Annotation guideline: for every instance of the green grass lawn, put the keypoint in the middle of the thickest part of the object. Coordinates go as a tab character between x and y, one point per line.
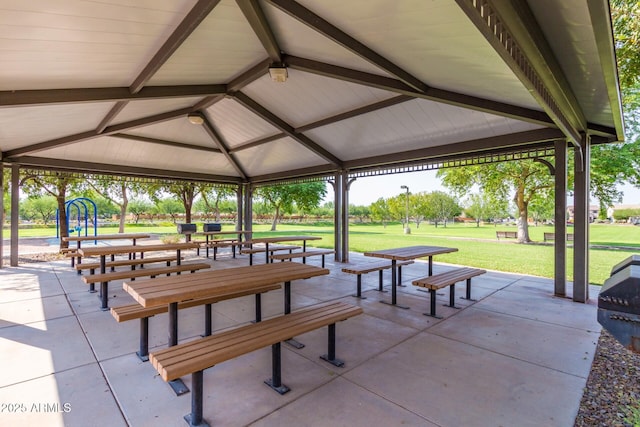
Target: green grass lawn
477	246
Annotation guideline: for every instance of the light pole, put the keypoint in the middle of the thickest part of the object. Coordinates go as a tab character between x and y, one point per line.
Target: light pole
407	230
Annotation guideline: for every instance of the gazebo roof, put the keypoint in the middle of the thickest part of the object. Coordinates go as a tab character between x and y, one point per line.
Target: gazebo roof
107	87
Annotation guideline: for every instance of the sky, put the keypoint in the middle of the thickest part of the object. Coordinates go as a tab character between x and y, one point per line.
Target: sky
365	191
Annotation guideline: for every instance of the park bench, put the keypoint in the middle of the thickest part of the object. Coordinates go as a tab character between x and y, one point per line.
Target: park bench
506	235
261	249
370	267
93	266
70	253
449	278
134	311
195	356
105	278
552	237
304	255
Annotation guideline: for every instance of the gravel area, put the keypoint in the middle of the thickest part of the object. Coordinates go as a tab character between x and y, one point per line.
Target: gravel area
612	388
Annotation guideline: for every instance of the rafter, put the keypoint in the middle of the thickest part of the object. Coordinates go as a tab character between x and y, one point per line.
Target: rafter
166	143
195	16
433	94
13	98
222	145
283	126
133	171
324	27
255	16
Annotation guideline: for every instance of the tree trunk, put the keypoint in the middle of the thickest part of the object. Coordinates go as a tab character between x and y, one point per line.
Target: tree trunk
62	221
275	219
523	210
123	208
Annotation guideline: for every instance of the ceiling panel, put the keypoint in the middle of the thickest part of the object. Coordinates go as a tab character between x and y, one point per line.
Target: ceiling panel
238	125
23	126
123	152
150	107
51	44
218	50
410	126
433	40
306	98
278	156
177	130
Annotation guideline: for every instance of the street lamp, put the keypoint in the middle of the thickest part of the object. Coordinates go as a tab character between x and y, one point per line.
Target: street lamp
407	230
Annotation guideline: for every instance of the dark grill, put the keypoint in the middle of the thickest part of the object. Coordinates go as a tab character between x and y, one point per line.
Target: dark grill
211	227
619	303
186	228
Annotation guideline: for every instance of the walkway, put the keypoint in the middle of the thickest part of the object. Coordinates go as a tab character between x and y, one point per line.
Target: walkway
517	357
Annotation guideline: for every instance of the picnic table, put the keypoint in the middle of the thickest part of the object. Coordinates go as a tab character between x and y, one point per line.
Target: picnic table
104	251
209	234
173	290
118	236
281	239
406	254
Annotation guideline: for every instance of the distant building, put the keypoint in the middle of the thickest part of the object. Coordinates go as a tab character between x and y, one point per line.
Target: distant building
593	213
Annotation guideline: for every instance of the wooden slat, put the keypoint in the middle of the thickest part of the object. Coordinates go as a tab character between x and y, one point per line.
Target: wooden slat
172	289
201	354
302	254
410	252
116	275
136	311
126	249
119	236
447	278
125	262
272	248
372	266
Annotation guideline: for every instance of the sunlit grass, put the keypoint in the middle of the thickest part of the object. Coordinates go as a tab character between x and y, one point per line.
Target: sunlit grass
477	246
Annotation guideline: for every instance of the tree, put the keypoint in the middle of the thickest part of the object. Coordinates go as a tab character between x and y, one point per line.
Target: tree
116	192
139	207
541	209
212	196
57	184
171	207
183	191
43	208
483	206
282	198
524	179
361	212
380	211
398	208
443	207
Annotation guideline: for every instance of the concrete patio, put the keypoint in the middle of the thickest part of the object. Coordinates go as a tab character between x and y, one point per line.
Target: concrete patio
516	357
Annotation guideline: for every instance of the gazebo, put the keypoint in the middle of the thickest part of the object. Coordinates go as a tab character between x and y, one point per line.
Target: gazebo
257	92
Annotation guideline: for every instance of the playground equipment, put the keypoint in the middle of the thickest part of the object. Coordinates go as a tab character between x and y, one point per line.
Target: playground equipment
82	211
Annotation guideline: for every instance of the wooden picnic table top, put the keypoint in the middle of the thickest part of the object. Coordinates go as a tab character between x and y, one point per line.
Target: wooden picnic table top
410	252
277	239
127	249
117	236
166	290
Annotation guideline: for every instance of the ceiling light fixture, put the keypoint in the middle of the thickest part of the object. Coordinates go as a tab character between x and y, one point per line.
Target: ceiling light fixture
278	72
195	118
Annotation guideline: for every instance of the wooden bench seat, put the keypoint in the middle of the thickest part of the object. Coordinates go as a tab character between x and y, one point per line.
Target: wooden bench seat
261	249
552	237
304	255
370	267
93	266
195	356
449	278
134	311
506	235
105	278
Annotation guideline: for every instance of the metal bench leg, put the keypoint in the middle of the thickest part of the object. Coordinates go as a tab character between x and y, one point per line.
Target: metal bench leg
452	296
275	382
250	259
359	288
207	320
195	417
322	261
400	276
258	308
104	296
468	293
287	309
331	351
432	313
143	353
